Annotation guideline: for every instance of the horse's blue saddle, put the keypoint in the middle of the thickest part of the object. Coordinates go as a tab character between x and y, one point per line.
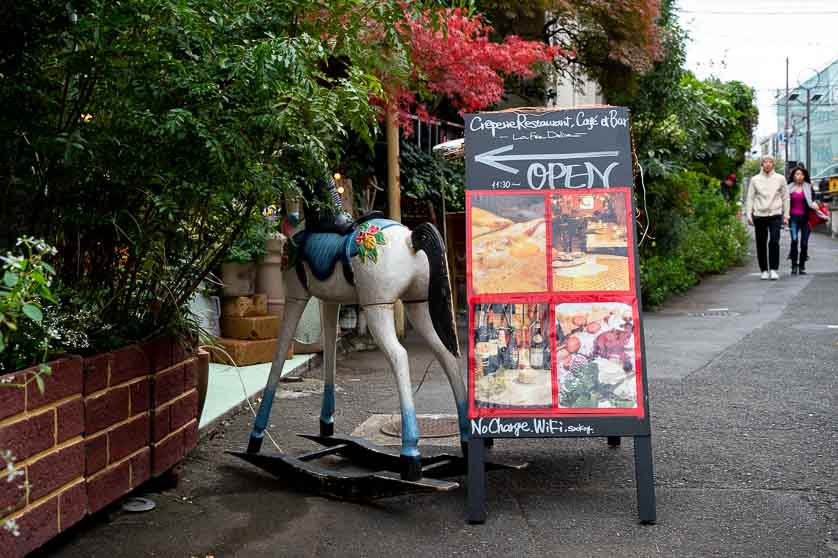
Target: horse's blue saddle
322	251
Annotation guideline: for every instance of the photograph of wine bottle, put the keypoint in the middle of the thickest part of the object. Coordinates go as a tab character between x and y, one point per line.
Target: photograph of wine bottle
512	359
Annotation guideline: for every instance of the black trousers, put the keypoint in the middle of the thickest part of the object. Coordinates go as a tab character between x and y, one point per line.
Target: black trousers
768	229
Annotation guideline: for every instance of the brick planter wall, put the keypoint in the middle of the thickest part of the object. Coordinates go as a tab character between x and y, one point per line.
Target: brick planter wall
103	426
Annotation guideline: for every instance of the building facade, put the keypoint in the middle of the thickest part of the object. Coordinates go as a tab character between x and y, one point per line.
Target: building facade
812	132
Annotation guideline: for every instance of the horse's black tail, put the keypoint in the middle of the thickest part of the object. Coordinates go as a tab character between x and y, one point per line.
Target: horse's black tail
426	237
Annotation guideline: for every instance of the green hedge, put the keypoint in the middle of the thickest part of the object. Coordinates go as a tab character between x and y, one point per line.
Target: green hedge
695	233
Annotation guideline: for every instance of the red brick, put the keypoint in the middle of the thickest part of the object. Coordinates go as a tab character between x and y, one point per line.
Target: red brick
184	409
108	485
72	505
104	409
64	380
140	468
159	353
128	363
12	398
161	422
37	526
56	469
96	453
190	437
129	437
12	496
96	372
25	438
167	385
140	396
182	349
190	373
70	419
166	454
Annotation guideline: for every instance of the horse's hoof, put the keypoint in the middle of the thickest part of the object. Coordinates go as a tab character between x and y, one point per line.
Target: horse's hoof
327	428
411	467
254	445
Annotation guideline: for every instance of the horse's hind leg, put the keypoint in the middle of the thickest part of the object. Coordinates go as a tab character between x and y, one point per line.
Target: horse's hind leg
382	327
419	315
293	311
329	320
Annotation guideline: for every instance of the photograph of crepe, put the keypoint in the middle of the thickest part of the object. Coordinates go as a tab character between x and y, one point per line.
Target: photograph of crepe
511	365
590	244
508	244
596	356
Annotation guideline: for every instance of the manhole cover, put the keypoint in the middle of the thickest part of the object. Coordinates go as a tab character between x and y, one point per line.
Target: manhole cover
429	427
138	504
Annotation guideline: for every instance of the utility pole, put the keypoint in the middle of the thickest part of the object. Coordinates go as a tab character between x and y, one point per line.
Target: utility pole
786	127
808	131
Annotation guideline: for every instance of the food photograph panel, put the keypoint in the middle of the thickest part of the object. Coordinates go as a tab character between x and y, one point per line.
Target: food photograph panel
508	243
596	355
511	365
590	244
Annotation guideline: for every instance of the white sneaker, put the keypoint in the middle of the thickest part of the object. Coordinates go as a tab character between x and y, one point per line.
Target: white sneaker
764	276
774	275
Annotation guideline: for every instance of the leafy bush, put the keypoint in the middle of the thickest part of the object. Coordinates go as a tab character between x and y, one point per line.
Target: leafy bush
24	289
424	176
140	138
697	235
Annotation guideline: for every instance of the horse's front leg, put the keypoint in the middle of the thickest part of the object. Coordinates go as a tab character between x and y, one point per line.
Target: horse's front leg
293	312
383	329
329	320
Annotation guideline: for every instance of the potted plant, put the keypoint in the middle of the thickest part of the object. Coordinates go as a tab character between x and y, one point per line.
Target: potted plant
238	271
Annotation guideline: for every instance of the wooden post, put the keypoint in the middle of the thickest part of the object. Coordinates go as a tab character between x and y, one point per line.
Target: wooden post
394	193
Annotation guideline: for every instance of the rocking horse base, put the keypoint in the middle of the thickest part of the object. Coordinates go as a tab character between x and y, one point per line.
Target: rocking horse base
365	472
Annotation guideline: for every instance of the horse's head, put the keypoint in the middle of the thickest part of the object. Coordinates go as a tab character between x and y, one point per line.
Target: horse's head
291	224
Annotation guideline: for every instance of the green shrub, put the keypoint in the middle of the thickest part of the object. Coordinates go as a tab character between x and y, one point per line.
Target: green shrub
696	234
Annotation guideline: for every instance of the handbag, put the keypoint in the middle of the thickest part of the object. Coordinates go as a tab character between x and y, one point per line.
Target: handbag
818	216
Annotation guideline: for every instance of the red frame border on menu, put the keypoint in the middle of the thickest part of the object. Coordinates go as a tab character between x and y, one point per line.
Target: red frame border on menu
553	298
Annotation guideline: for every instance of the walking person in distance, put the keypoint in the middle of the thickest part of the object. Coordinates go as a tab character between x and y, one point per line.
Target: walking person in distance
767	208
801	203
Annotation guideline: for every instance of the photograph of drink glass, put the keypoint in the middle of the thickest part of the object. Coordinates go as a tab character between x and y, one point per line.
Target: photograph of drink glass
590	244
512	356
595	355
508	235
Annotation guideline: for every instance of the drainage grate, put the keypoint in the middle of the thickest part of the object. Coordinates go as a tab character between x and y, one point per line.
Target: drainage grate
429	427
713	314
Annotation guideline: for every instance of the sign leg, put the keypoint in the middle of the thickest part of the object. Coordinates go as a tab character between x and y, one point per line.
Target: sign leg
645	477
476	481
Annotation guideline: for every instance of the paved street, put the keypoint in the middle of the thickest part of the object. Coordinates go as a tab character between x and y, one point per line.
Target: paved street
743	391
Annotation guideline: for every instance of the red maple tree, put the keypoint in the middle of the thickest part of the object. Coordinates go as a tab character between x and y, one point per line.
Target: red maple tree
460	61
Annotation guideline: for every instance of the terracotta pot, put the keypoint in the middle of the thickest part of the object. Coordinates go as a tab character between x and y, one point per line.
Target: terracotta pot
239	279
269	275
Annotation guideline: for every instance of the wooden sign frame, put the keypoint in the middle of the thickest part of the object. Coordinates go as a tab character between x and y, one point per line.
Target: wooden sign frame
535	182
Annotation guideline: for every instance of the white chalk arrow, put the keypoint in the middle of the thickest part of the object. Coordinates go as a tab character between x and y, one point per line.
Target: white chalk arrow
492	157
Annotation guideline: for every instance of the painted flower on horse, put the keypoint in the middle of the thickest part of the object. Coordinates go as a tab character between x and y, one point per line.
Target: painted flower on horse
368	238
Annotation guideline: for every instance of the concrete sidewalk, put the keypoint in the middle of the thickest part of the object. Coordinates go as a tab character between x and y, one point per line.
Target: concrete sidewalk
743	384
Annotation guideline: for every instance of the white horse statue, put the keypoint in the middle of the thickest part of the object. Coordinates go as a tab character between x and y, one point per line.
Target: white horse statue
377	263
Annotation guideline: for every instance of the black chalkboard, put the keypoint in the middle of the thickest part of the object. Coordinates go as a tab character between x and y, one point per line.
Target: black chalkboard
548	150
